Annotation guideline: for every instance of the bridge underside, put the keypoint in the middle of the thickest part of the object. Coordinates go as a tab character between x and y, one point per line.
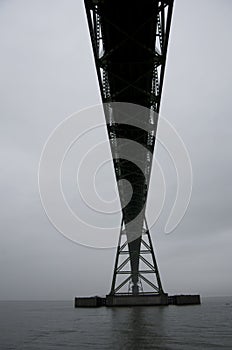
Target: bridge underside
129	40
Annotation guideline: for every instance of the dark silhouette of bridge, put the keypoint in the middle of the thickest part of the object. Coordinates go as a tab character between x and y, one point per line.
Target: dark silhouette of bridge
130	41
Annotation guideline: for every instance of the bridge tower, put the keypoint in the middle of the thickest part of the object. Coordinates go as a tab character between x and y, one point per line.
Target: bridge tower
130	40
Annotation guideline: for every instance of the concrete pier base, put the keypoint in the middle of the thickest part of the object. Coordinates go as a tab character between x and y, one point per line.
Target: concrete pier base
184	299
89	301
137	300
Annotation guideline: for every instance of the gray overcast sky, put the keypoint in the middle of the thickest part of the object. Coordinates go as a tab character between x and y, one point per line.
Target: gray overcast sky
47	73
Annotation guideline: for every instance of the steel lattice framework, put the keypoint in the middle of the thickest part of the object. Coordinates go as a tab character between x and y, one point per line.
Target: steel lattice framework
130	40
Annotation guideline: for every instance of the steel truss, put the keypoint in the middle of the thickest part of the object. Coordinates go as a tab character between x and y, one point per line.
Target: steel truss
129	40
148	275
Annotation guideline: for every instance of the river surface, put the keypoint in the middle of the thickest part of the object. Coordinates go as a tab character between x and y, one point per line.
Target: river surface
57	325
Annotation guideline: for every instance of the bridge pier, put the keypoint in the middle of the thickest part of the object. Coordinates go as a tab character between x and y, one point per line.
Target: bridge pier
137	300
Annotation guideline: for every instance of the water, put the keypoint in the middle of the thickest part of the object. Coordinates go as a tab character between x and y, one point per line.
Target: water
57	325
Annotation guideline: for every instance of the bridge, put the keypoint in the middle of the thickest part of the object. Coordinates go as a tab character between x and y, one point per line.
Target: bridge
130	41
